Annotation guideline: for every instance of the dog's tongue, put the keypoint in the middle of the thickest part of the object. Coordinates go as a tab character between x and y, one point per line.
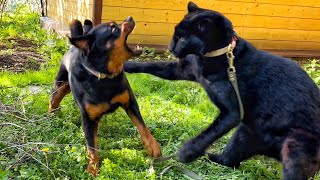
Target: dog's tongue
127	27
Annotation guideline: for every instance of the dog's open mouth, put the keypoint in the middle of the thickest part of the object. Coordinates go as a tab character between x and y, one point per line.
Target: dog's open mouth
126	28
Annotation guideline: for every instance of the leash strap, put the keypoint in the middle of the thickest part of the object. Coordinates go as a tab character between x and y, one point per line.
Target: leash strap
233	79
231	69
164	158
185	171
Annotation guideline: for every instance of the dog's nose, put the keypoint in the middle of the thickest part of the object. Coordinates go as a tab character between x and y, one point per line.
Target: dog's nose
129	19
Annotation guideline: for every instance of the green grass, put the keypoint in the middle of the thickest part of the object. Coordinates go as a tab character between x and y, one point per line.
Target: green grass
37	145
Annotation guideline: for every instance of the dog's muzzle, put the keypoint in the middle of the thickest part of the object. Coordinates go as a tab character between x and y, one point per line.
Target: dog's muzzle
128	25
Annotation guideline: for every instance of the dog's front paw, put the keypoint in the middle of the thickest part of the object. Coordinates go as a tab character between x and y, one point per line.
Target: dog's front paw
52	109
214	158
190	151
93	169
153	148
223	161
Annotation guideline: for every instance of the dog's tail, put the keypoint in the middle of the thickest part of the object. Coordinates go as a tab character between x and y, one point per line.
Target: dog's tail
76	28
87	26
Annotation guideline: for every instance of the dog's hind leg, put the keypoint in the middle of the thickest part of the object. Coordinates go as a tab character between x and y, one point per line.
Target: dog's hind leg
300	158
152	146
60	88
90	127
243	145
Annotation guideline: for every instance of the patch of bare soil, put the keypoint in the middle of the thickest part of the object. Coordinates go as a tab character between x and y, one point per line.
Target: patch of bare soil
18	55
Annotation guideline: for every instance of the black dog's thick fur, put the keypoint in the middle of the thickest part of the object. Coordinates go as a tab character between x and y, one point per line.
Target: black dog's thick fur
103	49
281	102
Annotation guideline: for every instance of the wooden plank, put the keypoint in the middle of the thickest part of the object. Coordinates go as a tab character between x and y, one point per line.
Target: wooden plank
285	45
303	3
281	34
282	11
147	39
232	6
151	28
150	15
69	16
78	7
66	17
73	14
83	3
143	15
60	8
163	4
295	53
281	23
285	53
80	1
164	29
260	44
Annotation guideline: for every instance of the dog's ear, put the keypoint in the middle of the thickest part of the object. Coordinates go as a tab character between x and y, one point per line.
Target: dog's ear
78	39
82	42
87	26
192	7
76	28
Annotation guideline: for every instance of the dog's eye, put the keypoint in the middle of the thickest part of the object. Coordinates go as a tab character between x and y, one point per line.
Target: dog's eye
201	27
113	28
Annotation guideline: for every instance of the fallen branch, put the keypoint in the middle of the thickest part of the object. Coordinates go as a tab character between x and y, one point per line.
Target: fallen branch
38	161
12	124
16	162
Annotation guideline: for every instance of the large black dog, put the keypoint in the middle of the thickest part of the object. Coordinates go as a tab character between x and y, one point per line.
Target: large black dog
281	103
93	70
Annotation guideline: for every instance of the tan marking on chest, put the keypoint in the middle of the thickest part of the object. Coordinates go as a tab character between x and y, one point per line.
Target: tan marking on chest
118	55
96	110
122	98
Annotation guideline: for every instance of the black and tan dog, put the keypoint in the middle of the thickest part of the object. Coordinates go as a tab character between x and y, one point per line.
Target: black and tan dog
93	70
281	102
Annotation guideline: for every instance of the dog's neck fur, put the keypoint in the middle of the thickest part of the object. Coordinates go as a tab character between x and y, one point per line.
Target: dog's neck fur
97	62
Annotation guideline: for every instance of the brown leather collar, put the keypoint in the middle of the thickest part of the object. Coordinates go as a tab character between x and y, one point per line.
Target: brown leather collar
100	75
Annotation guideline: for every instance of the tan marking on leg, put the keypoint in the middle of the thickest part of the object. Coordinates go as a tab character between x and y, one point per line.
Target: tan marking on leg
122	98
93	164
152	146
96	110
57	95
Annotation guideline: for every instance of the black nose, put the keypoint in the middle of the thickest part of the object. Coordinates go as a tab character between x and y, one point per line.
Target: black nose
171	45
129	19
